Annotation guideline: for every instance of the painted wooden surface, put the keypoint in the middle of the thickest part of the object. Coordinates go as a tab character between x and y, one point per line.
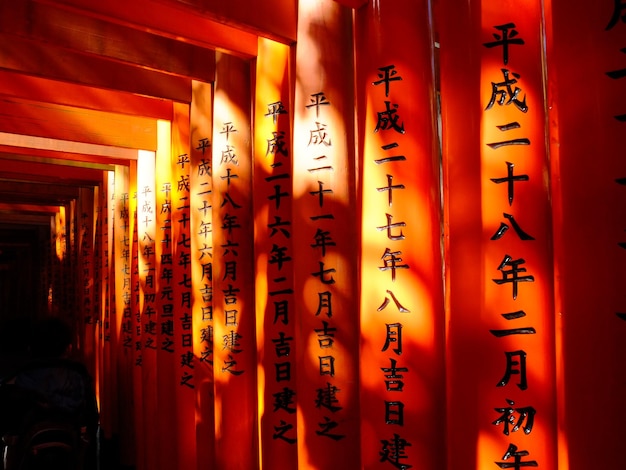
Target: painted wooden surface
325	240
529	206
182	379
235	358
401	301
87	35
585	103
500	281
201	220
172	20
274	257
167	363
19	116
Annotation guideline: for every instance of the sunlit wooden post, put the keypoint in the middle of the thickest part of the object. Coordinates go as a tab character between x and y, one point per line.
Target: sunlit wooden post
146	347
500	350
132	327
167	363
58	292
201	220
274	257
402	321
325	239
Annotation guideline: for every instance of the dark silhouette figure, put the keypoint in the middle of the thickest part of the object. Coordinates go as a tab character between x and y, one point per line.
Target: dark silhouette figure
50	415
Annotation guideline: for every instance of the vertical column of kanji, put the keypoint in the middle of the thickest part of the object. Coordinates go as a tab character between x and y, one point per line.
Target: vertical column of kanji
233	268
132	450
86	215
185	429
121	315
273	181
500	278
138	441
201	220
325	239
167	363
402	321
586	60
147	269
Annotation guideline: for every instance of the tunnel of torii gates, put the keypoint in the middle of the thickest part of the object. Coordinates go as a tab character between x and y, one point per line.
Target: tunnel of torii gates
391	237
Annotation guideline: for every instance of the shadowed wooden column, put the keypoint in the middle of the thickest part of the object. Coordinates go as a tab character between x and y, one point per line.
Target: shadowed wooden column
87	214
106	386
586	89
235	358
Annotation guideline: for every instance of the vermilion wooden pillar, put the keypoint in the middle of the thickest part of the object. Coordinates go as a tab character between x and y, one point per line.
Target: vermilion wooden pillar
167	363
201	220
99	285
147	325
402	321
183	378
500	312
70	273
325	239
106	388
70	263
132	327
235	350
274	257
587	103
86	271
59	261
121	315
